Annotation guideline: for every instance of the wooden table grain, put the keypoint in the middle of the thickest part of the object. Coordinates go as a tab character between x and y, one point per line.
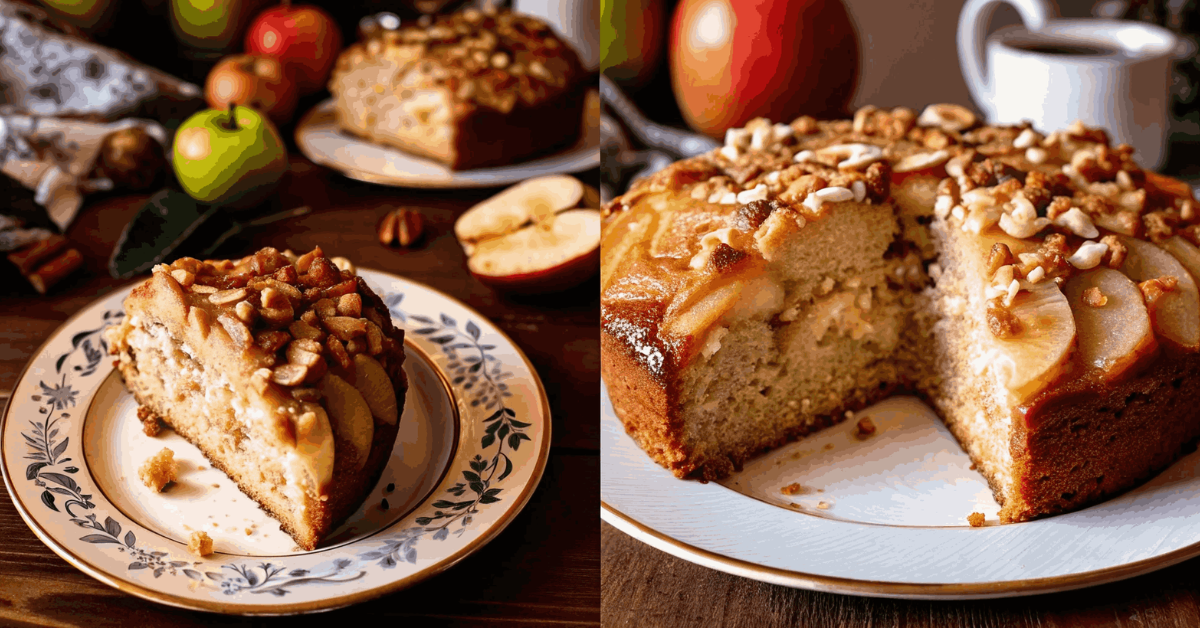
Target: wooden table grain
644	587
544	569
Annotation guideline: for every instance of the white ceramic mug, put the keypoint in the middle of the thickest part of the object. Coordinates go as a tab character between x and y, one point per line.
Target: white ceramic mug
1113	74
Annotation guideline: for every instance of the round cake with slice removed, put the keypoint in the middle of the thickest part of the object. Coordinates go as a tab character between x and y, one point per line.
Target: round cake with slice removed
1038	289
285	371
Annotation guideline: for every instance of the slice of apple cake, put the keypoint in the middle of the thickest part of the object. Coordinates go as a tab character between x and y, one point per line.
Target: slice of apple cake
1039	290
285	372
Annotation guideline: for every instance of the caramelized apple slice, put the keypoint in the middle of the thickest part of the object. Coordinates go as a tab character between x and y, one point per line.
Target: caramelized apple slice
350	417
1115	335
1175	316
1038	353
314	444
376	387
1185	252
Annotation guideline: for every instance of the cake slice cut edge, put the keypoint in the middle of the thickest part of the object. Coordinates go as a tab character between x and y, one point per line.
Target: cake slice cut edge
234	354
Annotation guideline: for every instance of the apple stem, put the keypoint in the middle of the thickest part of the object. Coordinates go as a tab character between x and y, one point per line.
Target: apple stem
232	123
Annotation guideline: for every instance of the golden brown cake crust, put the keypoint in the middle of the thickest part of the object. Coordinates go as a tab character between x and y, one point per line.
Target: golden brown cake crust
705	223
470	89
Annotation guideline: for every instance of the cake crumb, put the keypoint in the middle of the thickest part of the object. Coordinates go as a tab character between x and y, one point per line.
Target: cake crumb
249	531
823	505
1094	298
150	425
828	446
200	544
975	519
216	486
159	470
794	488
201	468
865	428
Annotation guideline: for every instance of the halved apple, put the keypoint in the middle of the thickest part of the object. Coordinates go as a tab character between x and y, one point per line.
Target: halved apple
1116	335
376	387
521	205
1175	317
1033	358
314	444
556	253
350	417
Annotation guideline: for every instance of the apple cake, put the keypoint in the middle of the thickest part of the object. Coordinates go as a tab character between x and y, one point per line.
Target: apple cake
470	89
285	372
1039	290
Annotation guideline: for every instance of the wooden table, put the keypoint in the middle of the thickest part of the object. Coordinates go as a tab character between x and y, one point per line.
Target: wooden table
642	586
543	569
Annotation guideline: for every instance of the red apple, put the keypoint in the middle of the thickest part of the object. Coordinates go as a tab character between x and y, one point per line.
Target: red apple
254	81
531	239
732	61
303	37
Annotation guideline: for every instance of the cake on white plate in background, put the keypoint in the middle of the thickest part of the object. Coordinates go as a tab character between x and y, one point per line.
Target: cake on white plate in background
1038	289
285	371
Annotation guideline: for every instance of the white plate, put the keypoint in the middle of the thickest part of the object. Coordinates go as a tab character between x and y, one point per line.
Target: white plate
473	443
889	519
320	139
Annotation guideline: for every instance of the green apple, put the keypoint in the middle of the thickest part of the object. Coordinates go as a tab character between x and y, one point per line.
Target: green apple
233	157
212	24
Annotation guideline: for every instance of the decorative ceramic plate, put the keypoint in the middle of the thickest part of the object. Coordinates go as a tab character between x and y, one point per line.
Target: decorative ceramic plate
320	139
473	443
887	516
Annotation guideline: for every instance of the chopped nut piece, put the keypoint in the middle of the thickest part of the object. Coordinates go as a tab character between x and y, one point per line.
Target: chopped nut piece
338	290
1000	255
1094	298
306	344
865	428
823	505
245	312
1115	256
355	346
297	355
374	339
159	470
975	519
227	296
289	374
200	544
325	308
338	351
1153	289
302	329
272	341
344	265
350	305
1001	321
345	327
278	317
274	299
202	289
184	277
794	489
